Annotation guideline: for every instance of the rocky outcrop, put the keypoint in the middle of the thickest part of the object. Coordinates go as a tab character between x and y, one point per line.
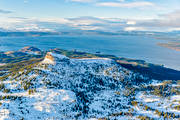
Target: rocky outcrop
48	59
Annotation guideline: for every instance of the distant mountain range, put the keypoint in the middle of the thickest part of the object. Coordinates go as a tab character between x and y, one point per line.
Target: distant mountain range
5	33
21	34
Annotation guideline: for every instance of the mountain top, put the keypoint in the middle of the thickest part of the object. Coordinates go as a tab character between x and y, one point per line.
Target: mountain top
150	70
49	59
63	86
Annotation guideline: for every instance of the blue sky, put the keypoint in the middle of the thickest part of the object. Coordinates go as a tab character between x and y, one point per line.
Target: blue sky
96	8
142	12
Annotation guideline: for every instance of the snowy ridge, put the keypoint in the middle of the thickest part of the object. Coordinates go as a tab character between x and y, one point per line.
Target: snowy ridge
61	88
64	88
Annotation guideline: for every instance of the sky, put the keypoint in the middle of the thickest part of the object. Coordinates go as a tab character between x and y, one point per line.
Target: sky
107	15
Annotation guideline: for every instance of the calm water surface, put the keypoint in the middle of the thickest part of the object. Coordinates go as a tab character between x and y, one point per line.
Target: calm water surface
136	47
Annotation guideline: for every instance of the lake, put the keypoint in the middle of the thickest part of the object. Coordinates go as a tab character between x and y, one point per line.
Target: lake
135	47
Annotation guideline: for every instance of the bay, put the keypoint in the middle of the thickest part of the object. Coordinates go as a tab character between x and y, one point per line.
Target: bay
135	47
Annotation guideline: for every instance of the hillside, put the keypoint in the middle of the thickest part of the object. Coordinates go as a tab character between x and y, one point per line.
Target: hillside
67	85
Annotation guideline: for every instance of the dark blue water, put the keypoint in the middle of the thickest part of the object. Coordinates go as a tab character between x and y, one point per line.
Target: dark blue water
136	47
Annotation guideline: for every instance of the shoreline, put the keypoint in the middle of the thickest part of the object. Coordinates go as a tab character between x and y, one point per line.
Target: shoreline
171	45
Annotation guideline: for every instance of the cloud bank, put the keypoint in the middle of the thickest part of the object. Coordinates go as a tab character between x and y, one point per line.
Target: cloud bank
165	22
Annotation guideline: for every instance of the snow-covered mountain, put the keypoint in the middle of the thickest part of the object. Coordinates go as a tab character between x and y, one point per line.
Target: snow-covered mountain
62	88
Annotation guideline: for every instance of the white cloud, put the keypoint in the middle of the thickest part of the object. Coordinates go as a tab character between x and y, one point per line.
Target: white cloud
174	29
173	15
166	22
128	5
82	1
121	0
131	22
134	29
5	11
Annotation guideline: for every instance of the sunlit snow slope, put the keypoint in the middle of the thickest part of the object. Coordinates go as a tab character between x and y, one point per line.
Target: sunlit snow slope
62	88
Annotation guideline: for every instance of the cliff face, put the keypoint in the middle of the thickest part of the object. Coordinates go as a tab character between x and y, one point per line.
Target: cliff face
49	59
